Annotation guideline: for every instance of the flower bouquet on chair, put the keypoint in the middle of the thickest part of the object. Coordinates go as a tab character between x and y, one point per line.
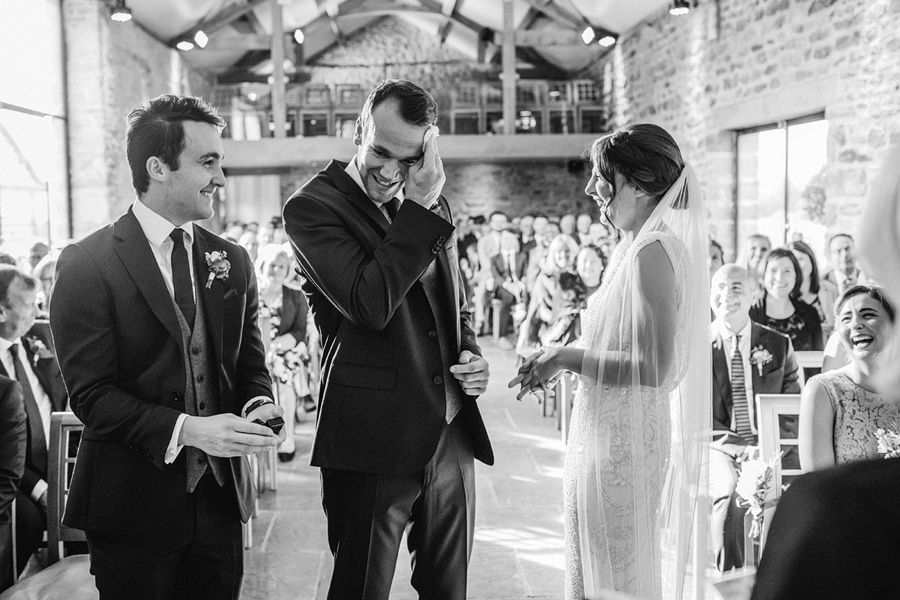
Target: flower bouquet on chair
753	488
889	440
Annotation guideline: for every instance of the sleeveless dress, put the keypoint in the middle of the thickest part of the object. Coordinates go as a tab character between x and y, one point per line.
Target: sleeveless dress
620	494
857	414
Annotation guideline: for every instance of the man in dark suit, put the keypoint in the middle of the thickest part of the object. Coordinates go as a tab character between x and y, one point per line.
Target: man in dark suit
12	464
835	536
748	359
842	257
398	423
508	270
155	322
26	355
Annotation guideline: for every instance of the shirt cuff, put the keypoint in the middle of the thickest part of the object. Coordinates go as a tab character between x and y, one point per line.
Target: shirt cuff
251	401
39	488
174	448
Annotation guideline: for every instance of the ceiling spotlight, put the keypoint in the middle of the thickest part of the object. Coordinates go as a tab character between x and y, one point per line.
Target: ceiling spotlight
118	12
607	40
298	36
185	45
587	36
201	39
679	8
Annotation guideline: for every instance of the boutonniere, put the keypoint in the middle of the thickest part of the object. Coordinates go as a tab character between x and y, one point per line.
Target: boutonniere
218	266
39	350
760	357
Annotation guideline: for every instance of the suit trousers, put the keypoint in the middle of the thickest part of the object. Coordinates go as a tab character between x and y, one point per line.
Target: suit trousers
727	519
368	513
201	561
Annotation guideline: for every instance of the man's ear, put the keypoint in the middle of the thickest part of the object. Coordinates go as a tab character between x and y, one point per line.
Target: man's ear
357	134
157	169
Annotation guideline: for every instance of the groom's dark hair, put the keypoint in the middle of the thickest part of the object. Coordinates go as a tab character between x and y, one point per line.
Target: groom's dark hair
645	155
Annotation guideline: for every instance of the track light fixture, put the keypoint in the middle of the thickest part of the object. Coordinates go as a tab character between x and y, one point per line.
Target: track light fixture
587	36
201	39
298	36
118	12
185	45
679	8
607	40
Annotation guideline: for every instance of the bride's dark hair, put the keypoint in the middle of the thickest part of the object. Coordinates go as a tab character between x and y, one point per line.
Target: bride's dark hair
645	155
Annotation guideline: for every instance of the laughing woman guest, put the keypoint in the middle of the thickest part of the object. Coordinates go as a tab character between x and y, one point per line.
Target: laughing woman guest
839	411
780	306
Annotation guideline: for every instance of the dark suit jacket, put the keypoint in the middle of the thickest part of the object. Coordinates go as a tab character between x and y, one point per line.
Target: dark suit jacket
500	268
382	399
778	377
12	443
835	535
46	369
120	351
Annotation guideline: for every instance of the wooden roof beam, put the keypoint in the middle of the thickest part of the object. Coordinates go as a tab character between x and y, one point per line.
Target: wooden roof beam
218	21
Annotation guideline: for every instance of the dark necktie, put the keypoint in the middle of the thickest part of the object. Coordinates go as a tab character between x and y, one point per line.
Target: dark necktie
35	422
181	277
392	206
739	394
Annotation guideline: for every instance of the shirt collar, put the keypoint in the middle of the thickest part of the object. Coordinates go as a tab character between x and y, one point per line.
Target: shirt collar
725	333
353	171
5	344
156	227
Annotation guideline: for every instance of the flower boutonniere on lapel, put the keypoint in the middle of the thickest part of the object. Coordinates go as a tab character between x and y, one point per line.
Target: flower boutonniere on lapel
760	357
39	350
219	266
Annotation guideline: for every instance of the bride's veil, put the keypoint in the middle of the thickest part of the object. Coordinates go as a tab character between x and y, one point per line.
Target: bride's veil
668	360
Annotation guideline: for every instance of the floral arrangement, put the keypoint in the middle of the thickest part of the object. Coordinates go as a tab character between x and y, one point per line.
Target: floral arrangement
889	440
760	357
39	350
218	265
753	486
283	365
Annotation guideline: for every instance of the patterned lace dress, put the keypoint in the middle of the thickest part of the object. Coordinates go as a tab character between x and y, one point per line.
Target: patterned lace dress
857	414
616	457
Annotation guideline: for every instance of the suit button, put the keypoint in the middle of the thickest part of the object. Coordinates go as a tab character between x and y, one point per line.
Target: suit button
200	378
440	241
438	380
432	334
195	350
202	406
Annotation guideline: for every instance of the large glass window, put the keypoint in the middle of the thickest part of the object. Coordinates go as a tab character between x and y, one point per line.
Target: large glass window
33	183
781	182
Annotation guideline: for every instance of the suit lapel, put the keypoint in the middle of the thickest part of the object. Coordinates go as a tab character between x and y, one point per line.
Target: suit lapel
213	296
134	251
356	196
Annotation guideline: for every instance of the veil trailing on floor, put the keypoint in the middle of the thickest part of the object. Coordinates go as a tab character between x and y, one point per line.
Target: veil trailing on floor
642	456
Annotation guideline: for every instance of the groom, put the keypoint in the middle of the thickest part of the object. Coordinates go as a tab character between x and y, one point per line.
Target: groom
156	332
398	423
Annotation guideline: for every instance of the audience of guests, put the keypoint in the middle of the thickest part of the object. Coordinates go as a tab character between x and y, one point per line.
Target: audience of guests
840	409
508	272
817	292
844	272
37	251
27	355
748	359
283	318
526	234
780	306
45	273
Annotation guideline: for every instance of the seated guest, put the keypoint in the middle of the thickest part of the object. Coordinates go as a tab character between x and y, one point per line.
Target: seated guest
780	306
840	410
568	226
842	257
568	302
508	270
12	463
526	234
752	256
283	315
26	355
37	251
738	375
589	266
45	273
583	228
716	259
818	293
544	301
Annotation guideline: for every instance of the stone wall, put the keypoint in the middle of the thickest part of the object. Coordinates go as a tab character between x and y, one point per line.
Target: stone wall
110	67
734	64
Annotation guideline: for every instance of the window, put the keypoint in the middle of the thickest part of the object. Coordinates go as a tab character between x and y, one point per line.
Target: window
314	124
317	95
345	125
586	91
593	120
350	95
562	121
527	93
465	123
466	94
528	122
557	91
781	172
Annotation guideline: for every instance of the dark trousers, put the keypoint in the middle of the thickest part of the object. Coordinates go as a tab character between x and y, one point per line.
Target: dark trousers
506	301
202	561
727	520
31	522
368	513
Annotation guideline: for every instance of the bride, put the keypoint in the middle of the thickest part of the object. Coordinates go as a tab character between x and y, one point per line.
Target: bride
634	471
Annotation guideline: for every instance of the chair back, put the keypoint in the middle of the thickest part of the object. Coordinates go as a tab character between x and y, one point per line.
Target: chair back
65	434
778	418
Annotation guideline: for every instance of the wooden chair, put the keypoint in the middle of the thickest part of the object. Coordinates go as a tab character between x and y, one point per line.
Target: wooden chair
810	363
64	578
778	417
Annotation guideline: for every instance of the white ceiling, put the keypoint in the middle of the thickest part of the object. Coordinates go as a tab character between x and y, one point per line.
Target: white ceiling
168	19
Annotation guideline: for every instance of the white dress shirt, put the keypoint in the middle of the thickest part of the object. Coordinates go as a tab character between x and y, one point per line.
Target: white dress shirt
353	171
40	396
744	346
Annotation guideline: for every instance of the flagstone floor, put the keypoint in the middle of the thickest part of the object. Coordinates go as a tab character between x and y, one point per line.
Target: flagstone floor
519	534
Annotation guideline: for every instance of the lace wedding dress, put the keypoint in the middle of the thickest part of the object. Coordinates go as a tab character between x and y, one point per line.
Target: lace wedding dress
633	468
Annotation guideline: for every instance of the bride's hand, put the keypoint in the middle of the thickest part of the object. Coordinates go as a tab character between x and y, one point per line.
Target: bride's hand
539	372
